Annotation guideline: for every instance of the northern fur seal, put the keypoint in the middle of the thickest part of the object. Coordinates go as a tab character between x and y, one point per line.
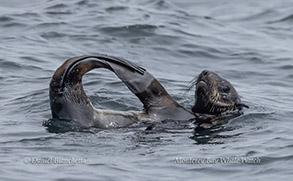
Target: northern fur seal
215	95
216	99
69	102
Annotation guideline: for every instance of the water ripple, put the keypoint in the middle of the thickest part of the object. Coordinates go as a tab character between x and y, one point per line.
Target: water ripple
247	42
129	31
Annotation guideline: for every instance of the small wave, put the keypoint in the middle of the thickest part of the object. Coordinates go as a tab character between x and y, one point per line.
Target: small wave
159	4
9	65
30	140
32	59
288	18
287	67
32	104
257	18
27	15
254	57
61	126
51	24
52	35
14	24
130	30
116	8
82	2
57	6
9	22
59	12
201	51
20	99
290	76
198	53
5	19
58	9
266	160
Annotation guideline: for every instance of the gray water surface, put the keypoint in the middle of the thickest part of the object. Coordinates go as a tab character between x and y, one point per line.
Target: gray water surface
250	43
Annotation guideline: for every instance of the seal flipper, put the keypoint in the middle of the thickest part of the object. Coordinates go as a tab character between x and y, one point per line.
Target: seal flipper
157	102
69	102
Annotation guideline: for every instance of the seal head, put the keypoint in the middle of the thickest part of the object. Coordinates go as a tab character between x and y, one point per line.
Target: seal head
215	95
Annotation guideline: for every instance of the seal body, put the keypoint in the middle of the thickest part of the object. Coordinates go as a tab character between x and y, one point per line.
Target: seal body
69	101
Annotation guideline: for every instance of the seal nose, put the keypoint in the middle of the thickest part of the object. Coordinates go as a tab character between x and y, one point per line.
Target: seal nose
205	72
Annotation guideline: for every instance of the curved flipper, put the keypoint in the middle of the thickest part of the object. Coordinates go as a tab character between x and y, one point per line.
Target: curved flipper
69	101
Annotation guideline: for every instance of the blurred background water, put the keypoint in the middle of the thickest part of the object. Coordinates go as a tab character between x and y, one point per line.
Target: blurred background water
248	42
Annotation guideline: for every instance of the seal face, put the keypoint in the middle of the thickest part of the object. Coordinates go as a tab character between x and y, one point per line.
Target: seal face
215	95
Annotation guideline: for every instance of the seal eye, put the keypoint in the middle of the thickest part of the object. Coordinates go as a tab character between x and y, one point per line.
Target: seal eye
225	88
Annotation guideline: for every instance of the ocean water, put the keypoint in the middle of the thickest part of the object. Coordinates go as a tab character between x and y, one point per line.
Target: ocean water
250	43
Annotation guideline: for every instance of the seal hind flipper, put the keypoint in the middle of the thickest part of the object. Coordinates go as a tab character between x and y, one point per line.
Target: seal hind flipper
135	77
68	99
108	59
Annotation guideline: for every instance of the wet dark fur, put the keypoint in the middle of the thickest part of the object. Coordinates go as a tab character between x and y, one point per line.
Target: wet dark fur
215	95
